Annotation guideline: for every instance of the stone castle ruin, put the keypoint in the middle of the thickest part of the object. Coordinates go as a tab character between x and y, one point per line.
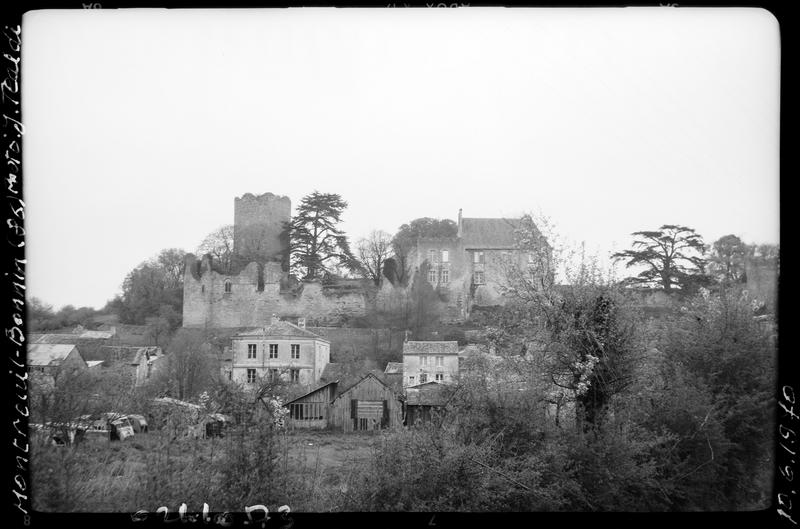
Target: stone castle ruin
258	284
466	270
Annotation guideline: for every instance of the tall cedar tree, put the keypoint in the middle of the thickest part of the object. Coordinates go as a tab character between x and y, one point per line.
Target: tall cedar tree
316	245
672	256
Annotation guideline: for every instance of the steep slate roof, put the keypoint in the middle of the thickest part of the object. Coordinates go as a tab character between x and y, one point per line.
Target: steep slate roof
438	347
280	328
49	354
123	354
488	233
394	368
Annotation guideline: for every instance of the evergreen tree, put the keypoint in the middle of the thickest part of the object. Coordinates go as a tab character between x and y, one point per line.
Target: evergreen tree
317	245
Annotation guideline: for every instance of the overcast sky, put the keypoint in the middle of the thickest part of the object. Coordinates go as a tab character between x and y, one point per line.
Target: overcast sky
143	125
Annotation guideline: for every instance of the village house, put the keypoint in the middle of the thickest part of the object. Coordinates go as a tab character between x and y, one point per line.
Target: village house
472	267
429	362
48	360
278	350
138	362
368	404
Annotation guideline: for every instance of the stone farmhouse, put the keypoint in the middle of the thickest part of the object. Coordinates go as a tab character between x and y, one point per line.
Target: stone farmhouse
278	350
471	268
45	361
139	363
467	270
425	362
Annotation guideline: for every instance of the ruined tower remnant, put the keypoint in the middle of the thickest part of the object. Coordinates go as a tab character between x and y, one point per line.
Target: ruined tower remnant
258	223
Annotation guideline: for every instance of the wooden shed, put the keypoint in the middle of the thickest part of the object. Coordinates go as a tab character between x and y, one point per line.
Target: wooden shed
312	409
367	405
424	400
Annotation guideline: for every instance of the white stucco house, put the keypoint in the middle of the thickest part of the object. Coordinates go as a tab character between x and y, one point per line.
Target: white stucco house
278	349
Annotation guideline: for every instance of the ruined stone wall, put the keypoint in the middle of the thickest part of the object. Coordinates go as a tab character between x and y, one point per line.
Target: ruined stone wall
207	304
258	223
762	283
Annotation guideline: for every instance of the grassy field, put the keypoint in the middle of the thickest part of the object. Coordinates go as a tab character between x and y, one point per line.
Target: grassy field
125	476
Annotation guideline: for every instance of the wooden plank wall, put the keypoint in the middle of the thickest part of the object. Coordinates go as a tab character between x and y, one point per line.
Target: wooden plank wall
368	389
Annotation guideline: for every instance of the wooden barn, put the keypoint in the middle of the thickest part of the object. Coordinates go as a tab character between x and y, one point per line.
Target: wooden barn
367	405
425	400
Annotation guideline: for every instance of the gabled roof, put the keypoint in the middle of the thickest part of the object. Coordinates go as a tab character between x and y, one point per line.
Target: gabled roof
43	354
432	347
373	374
319	387
279	328
489	233
394	368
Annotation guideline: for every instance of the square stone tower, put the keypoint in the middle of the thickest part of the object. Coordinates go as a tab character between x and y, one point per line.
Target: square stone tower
258	227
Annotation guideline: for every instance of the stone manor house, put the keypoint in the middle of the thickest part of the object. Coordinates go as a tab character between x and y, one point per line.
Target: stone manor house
467	271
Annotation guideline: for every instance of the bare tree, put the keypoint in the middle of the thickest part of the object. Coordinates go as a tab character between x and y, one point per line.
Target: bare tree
219	245
373	252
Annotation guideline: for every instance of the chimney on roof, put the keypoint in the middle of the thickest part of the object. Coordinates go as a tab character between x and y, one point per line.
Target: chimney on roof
274	320
459	222
301	322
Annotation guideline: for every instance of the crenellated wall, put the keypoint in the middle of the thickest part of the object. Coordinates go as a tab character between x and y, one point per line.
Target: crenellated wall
207	304
258	223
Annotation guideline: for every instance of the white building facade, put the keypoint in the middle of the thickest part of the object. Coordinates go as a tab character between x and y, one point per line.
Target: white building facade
280	350
429	362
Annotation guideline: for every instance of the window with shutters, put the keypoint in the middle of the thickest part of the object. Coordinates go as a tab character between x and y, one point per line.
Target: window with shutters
445	256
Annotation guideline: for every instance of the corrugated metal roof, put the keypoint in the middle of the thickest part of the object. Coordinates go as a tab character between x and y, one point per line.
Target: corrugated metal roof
45	354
